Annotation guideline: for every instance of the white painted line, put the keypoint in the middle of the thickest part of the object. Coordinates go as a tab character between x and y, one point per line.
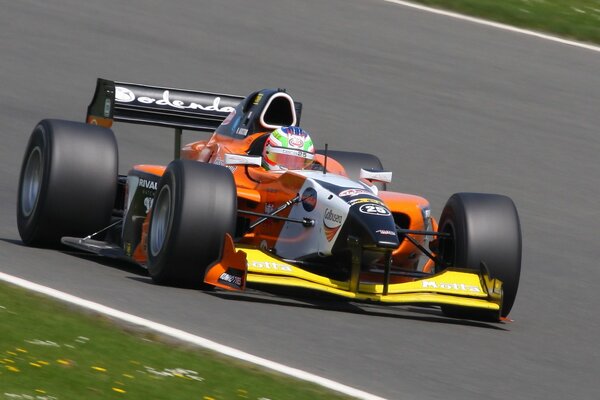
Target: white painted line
190	338
496	25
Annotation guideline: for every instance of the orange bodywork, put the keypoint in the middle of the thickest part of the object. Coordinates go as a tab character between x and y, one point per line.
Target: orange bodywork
262	191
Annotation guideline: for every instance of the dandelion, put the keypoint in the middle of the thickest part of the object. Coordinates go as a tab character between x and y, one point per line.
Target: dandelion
12	353
12	369
99	369
42	362
208	398
40	391
242	393
128	376
119	390
8	360
20	350
63	362
35	365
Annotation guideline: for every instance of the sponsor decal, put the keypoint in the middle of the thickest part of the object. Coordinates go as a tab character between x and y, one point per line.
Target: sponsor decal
309	199
354	192
269	208
374	209
267	265
229	118
148	201
332	222
147	184
107	108
220	161
125	95
333	217
296	142
386	232
232	277
365	200
241	131
258	98
450	286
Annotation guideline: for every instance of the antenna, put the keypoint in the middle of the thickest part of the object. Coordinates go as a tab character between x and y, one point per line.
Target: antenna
325	165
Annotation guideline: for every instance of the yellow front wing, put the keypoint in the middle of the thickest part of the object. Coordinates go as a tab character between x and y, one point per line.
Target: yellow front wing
451	286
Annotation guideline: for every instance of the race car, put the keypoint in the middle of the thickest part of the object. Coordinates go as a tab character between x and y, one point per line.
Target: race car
215	216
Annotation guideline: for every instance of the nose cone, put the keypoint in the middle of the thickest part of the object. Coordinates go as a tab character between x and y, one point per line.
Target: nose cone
375	224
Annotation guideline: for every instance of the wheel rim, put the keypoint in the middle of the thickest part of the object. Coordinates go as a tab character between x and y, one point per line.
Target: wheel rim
448	245
160	220
32	182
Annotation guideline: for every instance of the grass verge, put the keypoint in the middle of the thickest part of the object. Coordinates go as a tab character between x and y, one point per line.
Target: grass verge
576	19
49	350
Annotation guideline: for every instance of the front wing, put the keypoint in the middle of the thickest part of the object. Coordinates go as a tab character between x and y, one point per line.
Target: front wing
456	287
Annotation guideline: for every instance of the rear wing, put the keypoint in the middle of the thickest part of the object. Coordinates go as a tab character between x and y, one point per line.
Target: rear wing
160	106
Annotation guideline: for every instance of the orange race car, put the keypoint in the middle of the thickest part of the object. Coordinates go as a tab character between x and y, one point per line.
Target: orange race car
257	204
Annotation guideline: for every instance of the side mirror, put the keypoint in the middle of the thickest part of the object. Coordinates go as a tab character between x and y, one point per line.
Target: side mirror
241	159
375	175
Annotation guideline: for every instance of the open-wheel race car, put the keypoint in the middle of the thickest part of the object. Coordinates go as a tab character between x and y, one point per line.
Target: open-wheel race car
218	215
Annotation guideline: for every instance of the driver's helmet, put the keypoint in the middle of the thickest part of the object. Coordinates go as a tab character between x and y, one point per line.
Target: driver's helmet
288	147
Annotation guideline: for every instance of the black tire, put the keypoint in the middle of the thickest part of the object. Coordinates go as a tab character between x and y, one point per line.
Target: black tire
353	162
483	228
68	182
194	207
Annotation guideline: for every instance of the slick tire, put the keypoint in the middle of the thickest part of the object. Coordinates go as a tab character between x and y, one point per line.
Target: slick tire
194	207
353	162
68	182
483	228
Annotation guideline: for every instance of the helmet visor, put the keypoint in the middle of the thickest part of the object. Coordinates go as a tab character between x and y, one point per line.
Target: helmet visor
293	159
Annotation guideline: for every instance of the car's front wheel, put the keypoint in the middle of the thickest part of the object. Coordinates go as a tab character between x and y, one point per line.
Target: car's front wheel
483	228
194	207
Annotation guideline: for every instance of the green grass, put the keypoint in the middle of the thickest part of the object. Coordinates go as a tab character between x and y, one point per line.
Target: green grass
577	19
49	350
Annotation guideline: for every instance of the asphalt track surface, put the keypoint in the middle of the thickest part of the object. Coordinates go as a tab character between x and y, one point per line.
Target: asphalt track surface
449	106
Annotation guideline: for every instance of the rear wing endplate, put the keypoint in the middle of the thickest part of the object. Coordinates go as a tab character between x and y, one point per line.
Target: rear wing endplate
160	106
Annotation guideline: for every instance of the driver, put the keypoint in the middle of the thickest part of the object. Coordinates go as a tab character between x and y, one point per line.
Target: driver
288	147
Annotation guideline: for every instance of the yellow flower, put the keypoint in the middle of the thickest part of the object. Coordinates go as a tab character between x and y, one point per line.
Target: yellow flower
128	376
42	362
63	362
35	365
118	390
40	391
21	350
12	369
100	369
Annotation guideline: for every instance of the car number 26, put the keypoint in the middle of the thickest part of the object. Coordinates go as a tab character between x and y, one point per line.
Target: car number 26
374	209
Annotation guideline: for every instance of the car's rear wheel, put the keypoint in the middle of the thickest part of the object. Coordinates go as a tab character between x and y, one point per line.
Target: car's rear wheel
353	162
68	182
483	228
194	207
